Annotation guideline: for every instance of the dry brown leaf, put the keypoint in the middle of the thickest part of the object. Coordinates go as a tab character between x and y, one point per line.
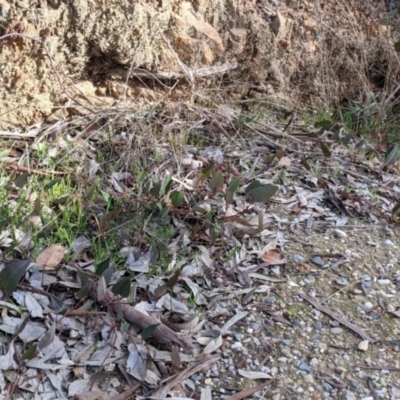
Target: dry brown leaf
272	256
304	268
51	257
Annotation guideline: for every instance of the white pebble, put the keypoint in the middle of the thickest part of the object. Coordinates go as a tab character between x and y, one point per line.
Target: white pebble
363	346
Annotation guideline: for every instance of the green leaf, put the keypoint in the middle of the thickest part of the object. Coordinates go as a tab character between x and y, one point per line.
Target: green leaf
217	182
269	159
208	170
52	183
107	274
122	287
20	180
147	332
360	144
385	20
254	184
233	186
346	140
173	280
397	47
4	153
199	209
326	150
305	164
124	327
58	306
154	254
156	189
89	193
22	326
102	266
326	123
396	212
261	194
160	291
12	274
176	198
166	184
99	376
392	154
82	276
84	290
30	353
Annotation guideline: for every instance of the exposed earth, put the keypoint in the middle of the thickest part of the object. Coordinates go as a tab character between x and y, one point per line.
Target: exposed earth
60	58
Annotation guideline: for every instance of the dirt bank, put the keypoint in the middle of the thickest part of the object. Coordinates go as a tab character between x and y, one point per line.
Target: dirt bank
89	55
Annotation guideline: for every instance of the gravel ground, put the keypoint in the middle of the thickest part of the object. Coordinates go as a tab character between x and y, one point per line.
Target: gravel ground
354	272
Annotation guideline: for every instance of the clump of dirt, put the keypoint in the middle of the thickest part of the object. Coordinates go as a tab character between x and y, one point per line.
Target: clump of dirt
87	55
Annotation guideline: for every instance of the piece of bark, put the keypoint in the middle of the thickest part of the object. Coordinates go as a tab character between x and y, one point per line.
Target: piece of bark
202	363
245	393
337	317
162	333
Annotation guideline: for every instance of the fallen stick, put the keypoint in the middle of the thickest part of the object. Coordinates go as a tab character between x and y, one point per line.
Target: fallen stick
337	317
162	333
243	394
386	367
185	374
196	73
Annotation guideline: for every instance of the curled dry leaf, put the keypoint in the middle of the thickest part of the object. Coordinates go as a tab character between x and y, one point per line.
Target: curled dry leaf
51	257
273	257
254	374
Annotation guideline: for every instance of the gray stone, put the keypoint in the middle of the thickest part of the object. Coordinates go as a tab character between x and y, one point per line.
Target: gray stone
342	281
317	261
305	368
298	258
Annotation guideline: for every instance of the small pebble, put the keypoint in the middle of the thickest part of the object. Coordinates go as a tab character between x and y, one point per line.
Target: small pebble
350	395
374	315
366	278
285	342
340	234
384	281
388	243
298	258
327	387
317	325
395	393
342	281
305	368
368	306
317	261
363	345
237	346
336	331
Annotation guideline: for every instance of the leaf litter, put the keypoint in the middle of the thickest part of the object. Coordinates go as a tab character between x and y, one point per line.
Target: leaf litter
243	227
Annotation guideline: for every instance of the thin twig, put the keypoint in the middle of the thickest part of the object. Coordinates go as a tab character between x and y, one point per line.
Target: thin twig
337	317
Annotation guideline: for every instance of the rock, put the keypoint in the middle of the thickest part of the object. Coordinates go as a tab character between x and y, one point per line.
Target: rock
368	306
340	234
298	258
317	261
342	281
363	345
304	367
337	331
375	316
